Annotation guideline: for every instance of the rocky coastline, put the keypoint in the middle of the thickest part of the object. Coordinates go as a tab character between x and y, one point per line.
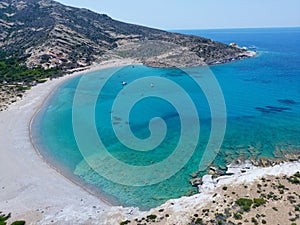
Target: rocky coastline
237	167
244	194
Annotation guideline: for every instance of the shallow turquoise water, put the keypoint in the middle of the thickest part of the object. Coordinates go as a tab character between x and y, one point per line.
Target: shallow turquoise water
262	97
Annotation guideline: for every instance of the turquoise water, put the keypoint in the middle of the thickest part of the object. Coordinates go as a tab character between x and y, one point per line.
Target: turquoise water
262	98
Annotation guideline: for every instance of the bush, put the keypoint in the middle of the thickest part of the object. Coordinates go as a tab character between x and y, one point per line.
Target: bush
297	174
21	222
258	202
237	216
125	222
4	218
151	217
244	203
199	221
294	180
253	220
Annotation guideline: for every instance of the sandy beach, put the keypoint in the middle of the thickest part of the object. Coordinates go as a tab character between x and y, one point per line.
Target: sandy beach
33	191
29	188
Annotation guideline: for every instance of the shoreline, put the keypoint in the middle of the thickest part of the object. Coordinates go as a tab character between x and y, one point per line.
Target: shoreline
215	192
34	190
96	67
29	180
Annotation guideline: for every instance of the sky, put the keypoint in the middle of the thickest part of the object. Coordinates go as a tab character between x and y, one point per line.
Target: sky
198	14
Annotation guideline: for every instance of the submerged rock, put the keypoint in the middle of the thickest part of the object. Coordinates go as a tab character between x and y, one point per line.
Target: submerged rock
194	174
266	162
215	172
292	157
190	193
195	182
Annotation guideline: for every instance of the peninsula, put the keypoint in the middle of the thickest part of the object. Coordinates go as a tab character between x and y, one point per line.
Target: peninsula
42	39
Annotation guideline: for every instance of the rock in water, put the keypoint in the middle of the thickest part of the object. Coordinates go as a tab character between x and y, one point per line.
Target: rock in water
195	182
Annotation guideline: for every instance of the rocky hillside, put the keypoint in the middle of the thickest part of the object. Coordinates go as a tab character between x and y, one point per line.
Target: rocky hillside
52	35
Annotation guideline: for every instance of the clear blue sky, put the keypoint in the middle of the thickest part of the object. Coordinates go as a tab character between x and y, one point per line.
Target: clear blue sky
197	14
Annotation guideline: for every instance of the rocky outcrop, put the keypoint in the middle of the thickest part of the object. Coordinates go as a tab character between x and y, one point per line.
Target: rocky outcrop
236	168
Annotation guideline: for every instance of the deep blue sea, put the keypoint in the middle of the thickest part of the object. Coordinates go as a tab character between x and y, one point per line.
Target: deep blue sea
136	145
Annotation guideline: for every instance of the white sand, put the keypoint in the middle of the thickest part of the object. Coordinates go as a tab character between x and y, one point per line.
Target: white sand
32	190
29	188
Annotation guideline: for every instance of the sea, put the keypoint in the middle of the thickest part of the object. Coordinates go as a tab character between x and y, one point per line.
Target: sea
136	136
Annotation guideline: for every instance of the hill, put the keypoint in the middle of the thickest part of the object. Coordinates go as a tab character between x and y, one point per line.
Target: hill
53	35
42	39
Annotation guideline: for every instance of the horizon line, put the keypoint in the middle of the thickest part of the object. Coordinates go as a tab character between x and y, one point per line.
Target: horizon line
232	28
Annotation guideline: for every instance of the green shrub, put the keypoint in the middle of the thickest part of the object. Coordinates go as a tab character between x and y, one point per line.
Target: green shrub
199	221
258	202
237	216
151	217
125	222
294	180
253	220
4	218
297	174
20	222
244	203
